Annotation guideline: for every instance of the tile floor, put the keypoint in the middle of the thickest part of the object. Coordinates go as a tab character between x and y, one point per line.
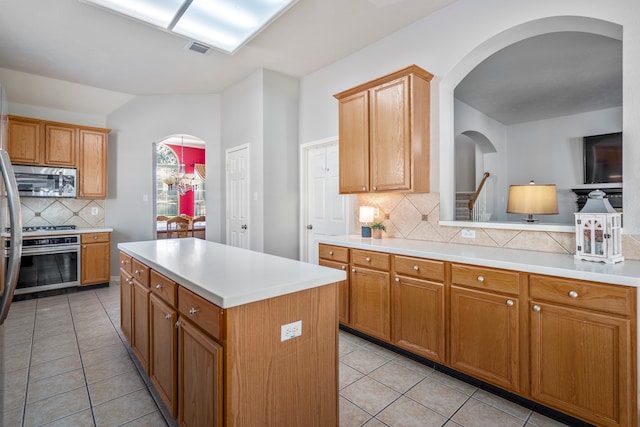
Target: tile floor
65	364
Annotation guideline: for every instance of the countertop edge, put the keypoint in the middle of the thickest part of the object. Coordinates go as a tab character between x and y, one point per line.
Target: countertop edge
625	273
327	277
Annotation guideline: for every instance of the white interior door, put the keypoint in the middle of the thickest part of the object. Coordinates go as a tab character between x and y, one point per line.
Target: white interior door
238	201
325	211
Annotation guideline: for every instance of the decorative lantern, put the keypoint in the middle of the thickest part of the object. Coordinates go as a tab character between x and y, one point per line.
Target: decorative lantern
598	229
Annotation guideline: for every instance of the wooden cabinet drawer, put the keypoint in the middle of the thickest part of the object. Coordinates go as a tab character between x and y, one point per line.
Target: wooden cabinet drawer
125	262
94	237
333	253
206	315
370	259
140	272
485	278
615	299
164	287
418	267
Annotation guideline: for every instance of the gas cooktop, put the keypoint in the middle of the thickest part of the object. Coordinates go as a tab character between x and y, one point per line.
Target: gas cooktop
44	228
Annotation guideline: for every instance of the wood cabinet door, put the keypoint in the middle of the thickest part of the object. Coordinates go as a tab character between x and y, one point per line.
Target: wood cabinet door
419	317
92	164
353	143
140	324
199	377
581	364
370	308
390	139
484	336
163	358
60	145
94	261
343	290
126	299
24	142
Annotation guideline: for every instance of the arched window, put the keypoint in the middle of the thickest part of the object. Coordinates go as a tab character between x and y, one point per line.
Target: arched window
167	197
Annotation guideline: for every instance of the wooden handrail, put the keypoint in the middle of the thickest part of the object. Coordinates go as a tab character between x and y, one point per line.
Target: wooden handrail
477	193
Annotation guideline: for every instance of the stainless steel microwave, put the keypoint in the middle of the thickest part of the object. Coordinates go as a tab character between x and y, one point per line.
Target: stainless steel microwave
38	181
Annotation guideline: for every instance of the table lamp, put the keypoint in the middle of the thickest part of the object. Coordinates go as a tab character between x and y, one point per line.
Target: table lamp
366	217
532	199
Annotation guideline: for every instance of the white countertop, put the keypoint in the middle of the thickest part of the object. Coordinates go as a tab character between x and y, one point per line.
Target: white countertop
229	276
623	273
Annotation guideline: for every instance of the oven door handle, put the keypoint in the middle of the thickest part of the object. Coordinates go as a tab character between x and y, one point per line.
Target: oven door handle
62	249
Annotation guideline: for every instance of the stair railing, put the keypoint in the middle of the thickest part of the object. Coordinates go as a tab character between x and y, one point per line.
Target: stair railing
475	213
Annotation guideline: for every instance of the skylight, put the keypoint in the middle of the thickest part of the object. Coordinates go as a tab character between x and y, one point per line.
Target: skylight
225	25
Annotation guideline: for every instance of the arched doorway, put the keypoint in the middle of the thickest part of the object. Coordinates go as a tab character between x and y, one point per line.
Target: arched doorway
179	183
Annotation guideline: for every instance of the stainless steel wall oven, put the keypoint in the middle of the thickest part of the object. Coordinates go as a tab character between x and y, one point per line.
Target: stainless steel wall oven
47	262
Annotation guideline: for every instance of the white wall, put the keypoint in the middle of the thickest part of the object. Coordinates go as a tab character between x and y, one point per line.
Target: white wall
453	41
281	192
135	126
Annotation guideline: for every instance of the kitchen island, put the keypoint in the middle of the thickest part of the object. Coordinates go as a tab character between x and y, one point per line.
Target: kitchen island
232	337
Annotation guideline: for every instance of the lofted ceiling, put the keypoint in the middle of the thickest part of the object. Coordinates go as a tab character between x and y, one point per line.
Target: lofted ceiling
74	42
546	76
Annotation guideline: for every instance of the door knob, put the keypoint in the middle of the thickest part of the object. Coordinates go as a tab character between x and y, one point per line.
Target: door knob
244	226
309	227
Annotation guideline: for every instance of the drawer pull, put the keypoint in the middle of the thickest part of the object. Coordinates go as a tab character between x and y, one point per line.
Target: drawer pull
158	286
416	268
137	272
397	279
536	308
510	303
124	261
480	279
367	259
193	311
95	237
573	294
167	316
331	253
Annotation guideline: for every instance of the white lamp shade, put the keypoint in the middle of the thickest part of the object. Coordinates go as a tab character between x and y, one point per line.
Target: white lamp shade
366	213
533	199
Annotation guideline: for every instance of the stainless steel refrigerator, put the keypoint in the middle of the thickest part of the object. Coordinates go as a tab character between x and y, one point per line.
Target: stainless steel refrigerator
10	216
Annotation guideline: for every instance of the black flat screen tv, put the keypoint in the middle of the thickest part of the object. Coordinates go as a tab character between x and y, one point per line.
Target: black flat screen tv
603	158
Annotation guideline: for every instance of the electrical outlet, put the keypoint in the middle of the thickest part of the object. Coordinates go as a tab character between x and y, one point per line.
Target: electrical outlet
468	234
94	211
291	330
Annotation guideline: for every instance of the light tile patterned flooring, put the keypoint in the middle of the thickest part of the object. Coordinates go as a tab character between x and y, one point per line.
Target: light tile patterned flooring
65	364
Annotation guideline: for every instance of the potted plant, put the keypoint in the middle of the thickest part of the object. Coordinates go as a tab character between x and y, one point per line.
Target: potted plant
376	229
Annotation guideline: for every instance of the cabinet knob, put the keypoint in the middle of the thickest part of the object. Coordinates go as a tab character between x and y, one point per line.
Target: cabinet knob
480	279
137	272
344	267
95	237
375	188
510	303
158	286
368	259
397	279
193	311
536	308
331	253
167	316
364	188
353	270
84	246
416	268
573	294
177	325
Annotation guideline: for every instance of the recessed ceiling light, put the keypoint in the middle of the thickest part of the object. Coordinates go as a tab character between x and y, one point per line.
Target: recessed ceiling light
225	25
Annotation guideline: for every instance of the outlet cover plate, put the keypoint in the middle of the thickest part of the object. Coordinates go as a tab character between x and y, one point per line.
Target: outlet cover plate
291	330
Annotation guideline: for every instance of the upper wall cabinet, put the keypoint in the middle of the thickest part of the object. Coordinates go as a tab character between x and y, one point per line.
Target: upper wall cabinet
384	134
45	143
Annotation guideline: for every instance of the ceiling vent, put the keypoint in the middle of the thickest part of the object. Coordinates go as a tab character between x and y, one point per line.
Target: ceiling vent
198	47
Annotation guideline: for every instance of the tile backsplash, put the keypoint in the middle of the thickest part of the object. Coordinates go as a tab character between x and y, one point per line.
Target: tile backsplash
416	217
62	211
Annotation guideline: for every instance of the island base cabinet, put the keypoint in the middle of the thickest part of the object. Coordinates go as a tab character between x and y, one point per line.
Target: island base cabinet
199	377
485	336
581	364
163	359
126	300
140	322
